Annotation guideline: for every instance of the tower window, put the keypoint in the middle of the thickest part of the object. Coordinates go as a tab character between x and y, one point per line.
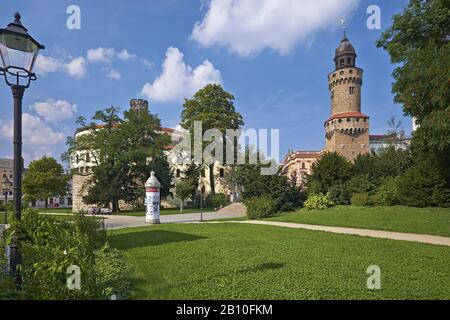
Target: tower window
332	95
351	90
221	173
348	119
349	61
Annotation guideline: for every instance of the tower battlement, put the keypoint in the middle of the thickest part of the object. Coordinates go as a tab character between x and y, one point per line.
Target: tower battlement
347	129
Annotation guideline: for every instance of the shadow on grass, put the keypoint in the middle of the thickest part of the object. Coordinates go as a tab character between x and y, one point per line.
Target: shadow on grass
147	238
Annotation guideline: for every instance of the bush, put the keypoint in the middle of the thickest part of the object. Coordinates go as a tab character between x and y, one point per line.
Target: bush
387	192
319	202
217	200
260	207
339	194
360	199
361	183
111	270
49	247
423	185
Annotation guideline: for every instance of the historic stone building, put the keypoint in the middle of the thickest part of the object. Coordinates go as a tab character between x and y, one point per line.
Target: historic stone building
84	162
347	128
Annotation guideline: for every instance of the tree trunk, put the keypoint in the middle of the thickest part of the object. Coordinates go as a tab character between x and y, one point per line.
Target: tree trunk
211	179
46	204
181	206
115	206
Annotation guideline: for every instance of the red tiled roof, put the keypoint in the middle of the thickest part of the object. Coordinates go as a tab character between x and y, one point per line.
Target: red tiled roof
353	114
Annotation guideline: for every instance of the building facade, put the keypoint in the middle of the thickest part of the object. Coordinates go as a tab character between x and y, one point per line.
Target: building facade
6	171
347	128
83	163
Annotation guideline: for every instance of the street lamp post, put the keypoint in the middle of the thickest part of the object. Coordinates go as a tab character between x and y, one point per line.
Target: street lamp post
6	186
18	54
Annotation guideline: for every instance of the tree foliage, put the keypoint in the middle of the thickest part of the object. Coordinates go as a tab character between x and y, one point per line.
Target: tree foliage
214	107
124	151
284	192
184	190
329	170
44	178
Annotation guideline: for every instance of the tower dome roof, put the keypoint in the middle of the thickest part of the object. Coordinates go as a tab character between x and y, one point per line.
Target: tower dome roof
345	47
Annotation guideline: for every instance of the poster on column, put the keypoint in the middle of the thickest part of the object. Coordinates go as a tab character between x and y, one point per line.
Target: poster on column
152	202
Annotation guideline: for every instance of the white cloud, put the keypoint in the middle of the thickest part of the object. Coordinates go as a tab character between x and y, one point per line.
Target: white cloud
148	64
35	132
54	110
179	80
247	27
100	54
76	68
114	74
125	55
46	65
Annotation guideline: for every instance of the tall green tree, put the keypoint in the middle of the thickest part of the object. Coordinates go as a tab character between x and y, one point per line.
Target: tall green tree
44	178
124	152
214	107
330	169
418	44
184	189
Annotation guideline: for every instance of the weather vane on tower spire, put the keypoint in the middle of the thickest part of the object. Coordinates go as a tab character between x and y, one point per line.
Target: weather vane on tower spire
343	23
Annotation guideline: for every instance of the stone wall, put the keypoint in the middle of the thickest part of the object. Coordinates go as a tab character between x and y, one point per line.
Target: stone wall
340	82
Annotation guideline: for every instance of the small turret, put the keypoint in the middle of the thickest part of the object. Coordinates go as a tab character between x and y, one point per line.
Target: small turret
345	55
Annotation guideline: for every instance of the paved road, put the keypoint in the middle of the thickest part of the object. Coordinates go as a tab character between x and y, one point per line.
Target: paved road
118	222
423	238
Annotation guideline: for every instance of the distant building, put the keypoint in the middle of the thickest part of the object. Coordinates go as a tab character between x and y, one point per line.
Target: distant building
57	201
347	128
6	171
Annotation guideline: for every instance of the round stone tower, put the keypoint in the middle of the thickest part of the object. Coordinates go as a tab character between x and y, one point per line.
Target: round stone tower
347	129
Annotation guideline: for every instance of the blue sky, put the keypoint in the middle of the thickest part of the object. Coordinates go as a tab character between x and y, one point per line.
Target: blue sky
273	57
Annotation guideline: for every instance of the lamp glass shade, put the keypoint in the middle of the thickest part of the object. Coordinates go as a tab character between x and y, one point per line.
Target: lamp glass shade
18	51
6	184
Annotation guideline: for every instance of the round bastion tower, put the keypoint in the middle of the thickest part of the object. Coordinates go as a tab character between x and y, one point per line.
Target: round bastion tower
347	129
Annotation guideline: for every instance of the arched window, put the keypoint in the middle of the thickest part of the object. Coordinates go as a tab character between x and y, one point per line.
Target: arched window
221	172
303	165
178	173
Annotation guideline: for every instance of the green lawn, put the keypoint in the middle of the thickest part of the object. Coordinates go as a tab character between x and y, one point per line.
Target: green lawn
163	212
55	210
236	261
138	213
435	221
